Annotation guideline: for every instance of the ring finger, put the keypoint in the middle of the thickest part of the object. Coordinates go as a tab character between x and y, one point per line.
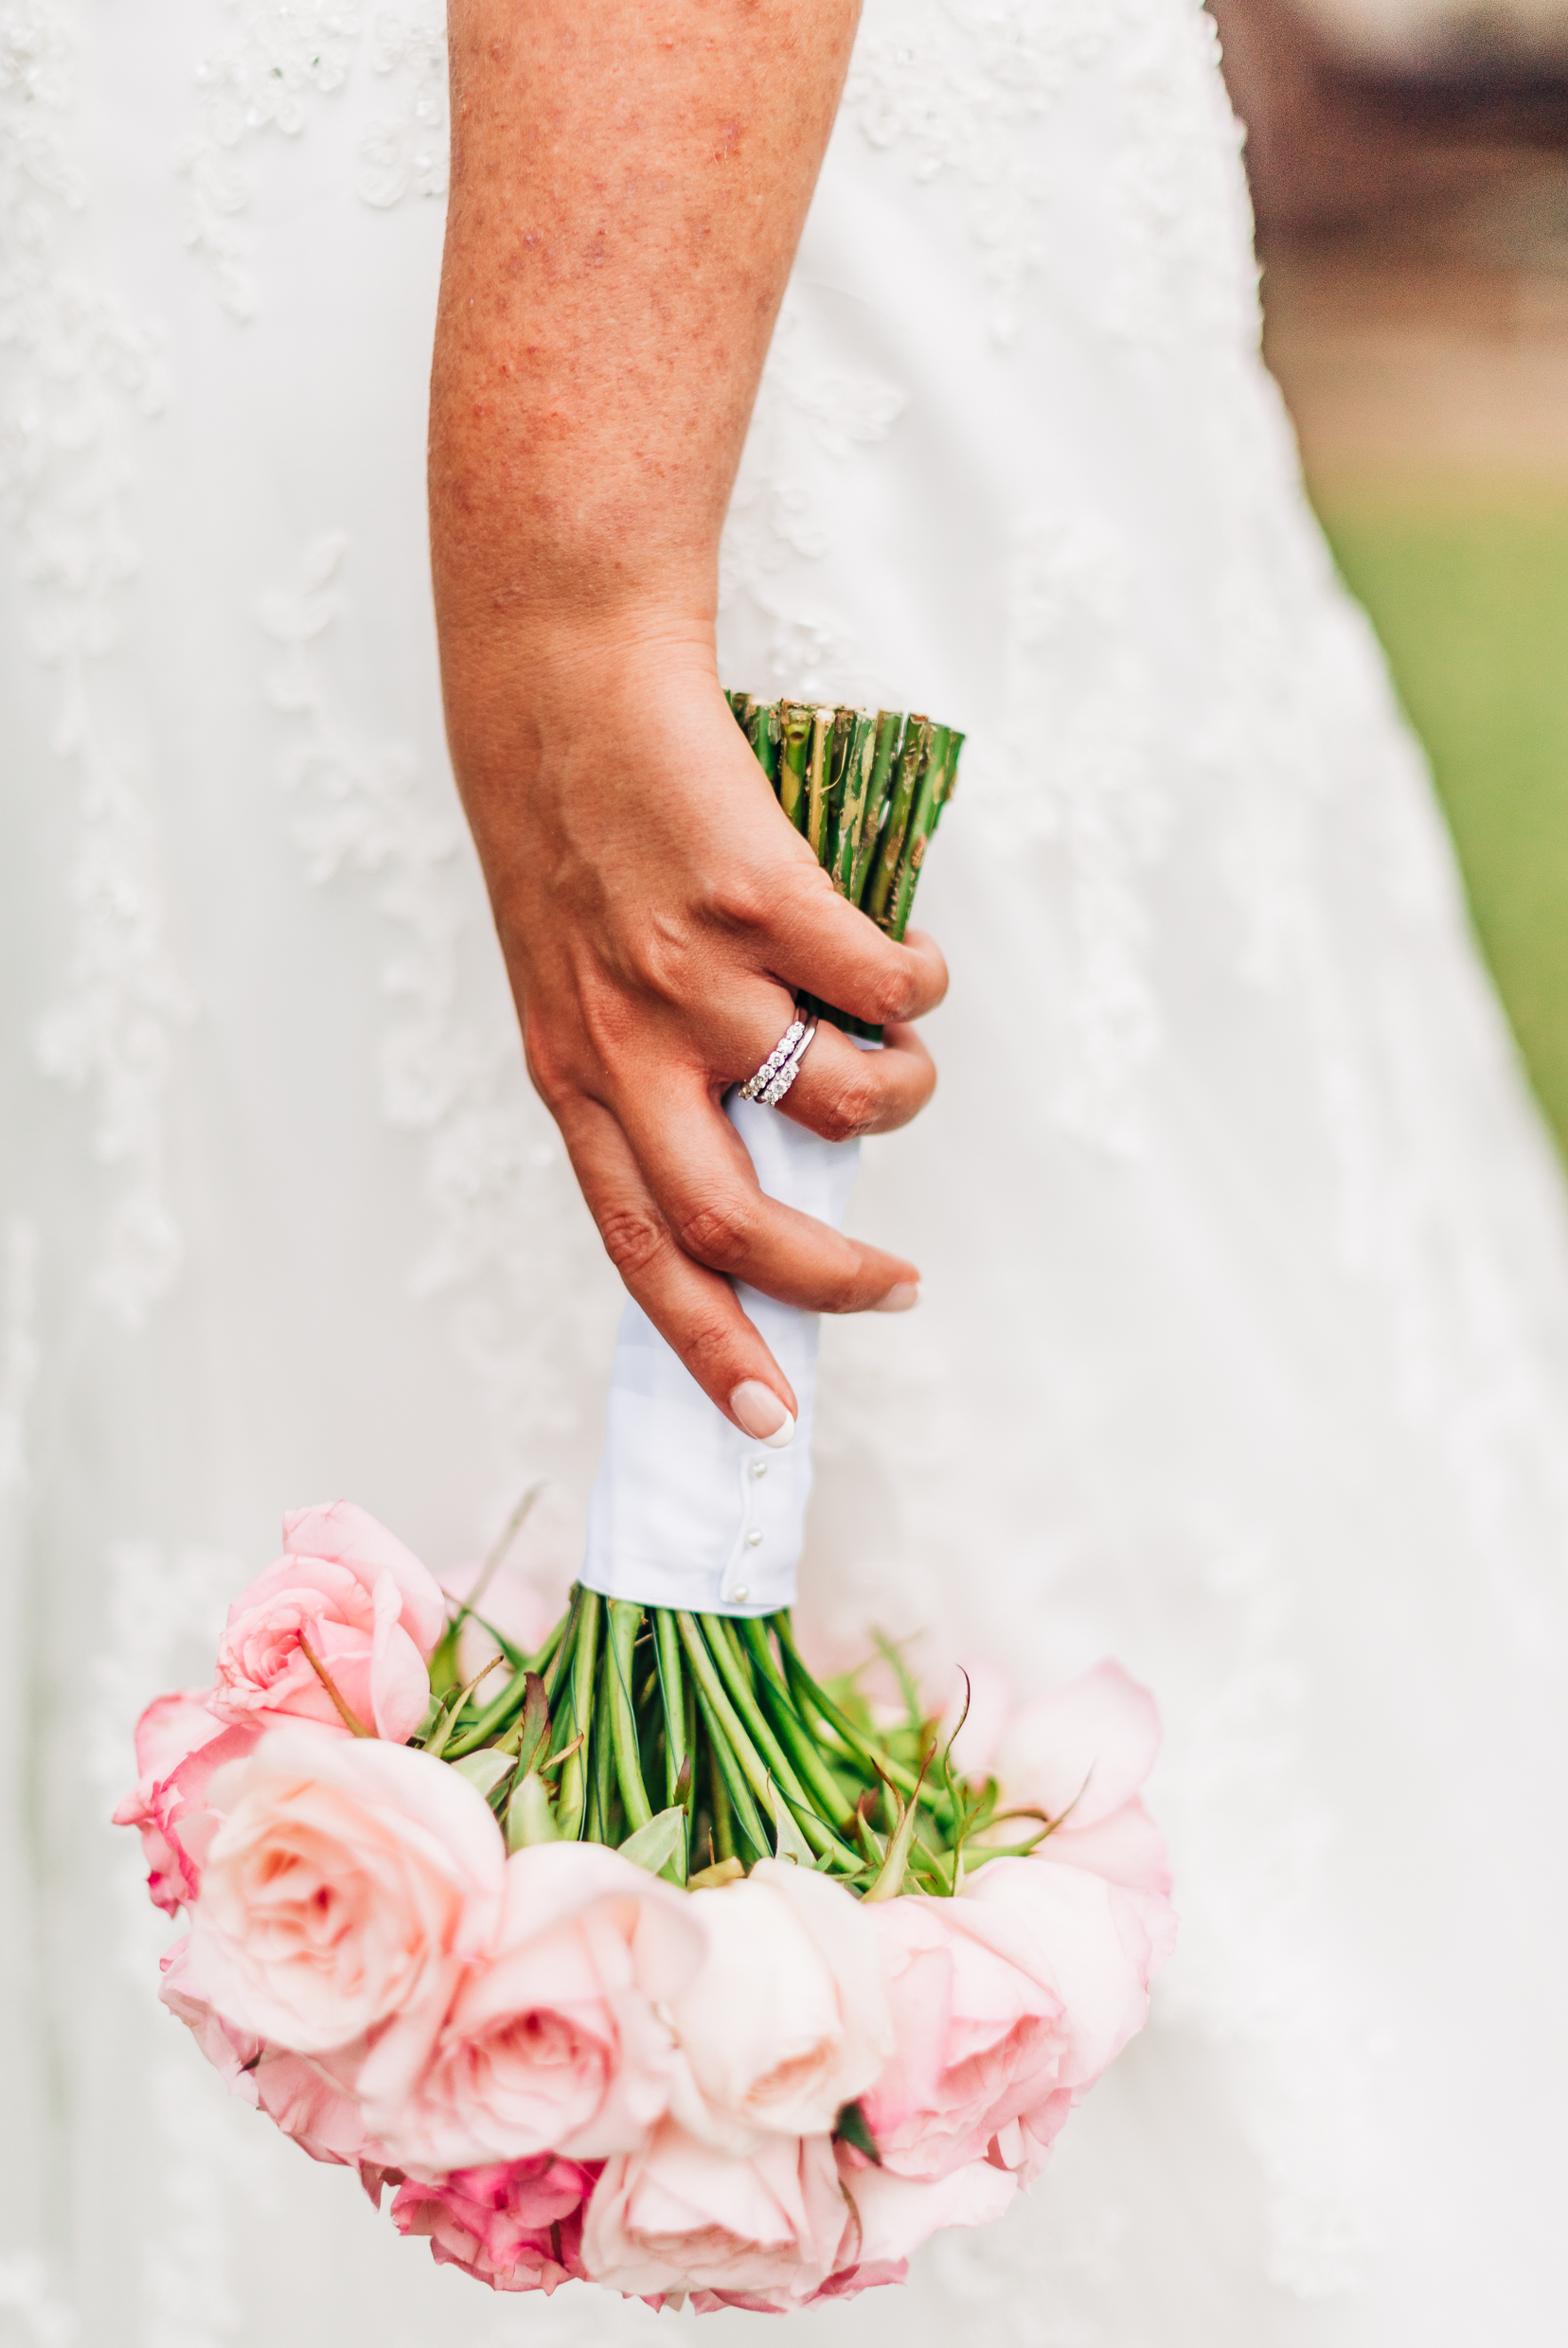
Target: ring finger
846	1088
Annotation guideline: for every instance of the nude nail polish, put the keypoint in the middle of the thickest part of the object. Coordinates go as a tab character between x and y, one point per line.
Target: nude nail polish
761	1413
902	1297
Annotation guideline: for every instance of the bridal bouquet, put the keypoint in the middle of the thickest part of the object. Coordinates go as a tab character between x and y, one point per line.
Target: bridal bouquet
630	1951
453	1944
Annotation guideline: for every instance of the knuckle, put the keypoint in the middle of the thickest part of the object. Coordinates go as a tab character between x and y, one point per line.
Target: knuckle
896	991
547	1071
704	1346
715	1230
741	900
849	1109
844	1292
633	1240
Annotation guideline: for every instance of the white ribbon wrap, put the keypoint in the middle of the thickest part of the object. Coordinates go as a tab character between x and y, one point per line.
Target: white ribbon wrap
687	1511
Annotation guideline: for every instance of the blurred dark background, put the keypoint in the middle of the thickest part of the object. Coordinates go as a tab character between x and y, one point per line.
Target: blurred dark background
1409	167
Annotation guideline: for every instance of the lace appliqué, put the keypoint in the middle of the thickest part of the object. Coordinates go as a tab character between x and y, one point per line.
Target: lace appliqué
285	58
284	53
407	153
511	1239
802	411
1184	270
83	370
963	91
1075	771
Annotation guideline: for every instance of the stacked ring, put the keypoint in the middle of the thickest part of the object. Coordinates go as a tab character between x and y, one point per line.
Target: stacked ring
781	1067
787	1074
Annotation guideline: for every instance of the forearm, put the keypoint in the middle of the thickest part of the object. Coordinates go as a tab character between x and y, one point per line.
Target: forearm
628	185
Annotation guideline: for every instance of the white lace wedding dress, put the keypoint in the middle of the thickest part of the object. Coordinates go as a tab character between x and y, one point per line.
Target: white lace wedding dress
1244	1347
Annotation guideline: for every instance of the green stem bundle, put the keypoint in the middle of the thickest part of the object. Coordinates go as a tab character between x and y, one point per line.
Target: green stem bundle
867	787
702	1742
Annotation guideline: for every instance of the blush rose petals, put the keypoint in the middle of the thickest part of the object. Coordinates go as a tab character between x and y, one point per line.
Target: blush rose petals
344	1881
787	2019
554	2043
1081	1753
363	1605
1099	1944
894	2215
679	2216
980	2033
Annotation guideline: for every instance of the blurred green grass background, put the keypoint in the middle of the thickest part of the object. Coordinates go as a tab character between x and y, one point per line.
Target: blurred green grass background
1470	601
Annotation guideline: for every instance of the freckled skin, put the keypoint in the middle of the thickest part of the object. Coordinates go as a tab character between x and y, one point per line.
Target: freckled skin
629	185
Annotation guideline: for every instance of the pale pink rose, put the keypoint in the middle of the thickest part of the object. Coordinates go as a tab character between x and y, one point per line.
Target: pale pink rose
887	2217
368	1609
1096	1945
679	2216
180	1743
892	2215
346	1882
1083	1750
311	2099
786	2018
1081	1755
980	2036
234	2053
515	2225
552	2042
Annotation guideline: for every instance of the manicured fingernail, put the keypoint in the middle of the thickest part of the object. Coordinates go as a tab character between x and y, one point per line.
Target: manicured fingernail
902	1297
761	1413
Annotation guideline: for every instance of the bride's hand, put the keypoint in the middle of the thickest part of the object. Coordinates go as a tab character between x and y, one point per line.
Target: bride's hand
627	189
658	914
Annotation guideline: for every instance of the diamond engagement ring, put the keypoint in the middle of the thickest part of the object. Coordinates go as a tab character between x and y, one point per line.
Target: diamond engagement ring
781	1067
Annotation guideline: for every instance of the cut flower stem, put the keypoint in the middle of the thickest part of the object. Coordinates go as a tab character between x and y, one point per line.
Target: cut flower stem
759	1757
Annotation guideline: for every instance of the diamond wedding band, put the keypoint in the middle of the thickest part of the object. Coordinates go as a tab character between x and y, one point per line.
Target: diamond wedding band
781	1067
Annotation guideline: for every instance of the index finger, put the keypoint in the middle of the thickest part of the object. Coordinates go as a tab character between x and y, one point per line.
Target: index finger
696	1312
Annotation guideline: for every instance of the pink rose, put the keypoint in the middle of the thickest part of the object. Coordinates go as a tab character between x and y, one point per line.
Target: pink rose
551	2043
979	2032
891	2215
887	2219
678	2215
345	1882
311	2099
366	1607
786	2019
1080	1754
1096	1945
234	2053
180	1743
516	2225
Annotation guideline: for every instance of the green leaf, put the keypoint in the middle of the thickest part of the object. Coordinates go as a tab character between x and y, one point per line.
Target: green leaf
895	1865
789	1842
654	1845
485	1769
851	2127
529	1817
